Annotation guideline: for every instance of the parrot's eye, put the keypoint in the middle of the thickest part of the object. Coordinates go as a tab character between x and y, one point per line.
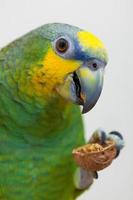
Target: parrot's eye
62	45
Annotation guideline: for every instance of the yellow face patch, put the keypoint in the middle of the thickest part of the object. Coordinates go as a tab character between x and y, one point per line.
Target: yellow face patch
53	72
88	40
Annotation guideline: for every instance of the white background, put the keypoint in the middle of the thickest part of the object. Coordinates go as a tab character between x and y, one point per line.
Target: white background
112	21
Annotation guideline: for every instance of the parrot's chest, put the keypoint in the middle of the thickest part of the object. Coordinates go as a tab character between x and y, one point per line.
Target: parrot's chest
39	172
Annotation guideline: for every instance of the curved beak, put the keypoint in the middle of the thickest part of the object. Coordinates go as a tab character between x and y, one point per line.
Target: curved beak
91	83
83	86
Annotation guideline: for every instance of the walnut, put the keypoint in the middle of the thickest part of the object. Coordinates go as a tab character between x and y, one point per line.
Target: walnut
94	156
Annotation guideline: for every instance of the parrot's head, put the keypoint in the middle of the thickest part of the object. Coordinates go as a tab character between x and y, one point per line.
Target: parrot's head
73	65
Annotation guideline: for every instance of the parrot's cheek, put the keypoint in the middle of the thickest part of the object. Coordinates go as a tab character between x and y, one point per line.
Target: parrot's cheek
82	87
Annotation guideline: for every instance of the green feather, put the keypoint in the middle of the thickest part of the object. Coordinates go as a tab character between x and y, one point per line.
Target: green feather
36	141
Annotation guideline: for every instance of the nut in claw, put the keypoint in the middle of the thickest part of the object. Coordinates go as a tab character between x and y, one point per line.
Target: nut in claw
95	157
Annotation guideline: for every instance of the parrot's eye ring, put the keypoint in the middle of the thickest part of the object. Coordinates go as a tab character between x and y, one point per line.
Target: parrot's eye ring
62	45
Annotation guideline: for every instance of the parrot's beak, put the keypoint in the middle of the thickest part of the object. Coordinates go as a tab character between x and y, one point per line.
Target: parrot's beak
83	86
89	86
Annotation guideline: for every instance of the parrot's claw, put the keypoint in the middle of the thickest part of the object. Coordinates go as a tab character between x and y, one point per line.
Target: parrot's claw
83	179
101	136
119	141
98	136
95	175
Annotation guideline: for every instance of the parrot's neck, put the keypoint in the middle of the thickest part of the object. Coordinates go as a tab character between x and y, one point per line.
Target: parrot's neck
33	121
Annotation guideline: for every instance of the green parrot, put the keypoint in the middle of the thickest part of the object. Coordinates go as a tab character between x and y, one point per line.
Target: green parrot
44	77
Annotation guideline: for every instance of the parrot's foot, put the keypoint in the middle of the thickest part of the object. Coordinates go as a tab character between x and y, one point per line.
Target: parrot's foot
98	154
101	137
83	179
102	148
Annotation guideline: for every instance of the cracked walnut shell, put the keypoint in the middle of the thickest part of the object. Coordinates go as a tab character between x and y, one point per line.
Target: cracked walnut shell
94	156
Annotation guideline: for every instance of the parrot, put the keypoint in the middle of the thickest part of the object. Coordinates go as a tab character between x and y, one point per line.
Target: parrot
48	78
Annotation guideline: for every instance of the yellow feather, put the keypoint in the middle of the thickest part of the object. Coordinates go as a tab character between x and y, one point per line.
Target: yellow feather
88	40
53	72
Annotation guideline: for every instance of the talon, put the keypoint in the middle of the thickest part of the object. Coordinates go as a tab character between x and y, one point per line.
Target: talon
117	153
103	137
118	138
95	175
98	136
117	134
